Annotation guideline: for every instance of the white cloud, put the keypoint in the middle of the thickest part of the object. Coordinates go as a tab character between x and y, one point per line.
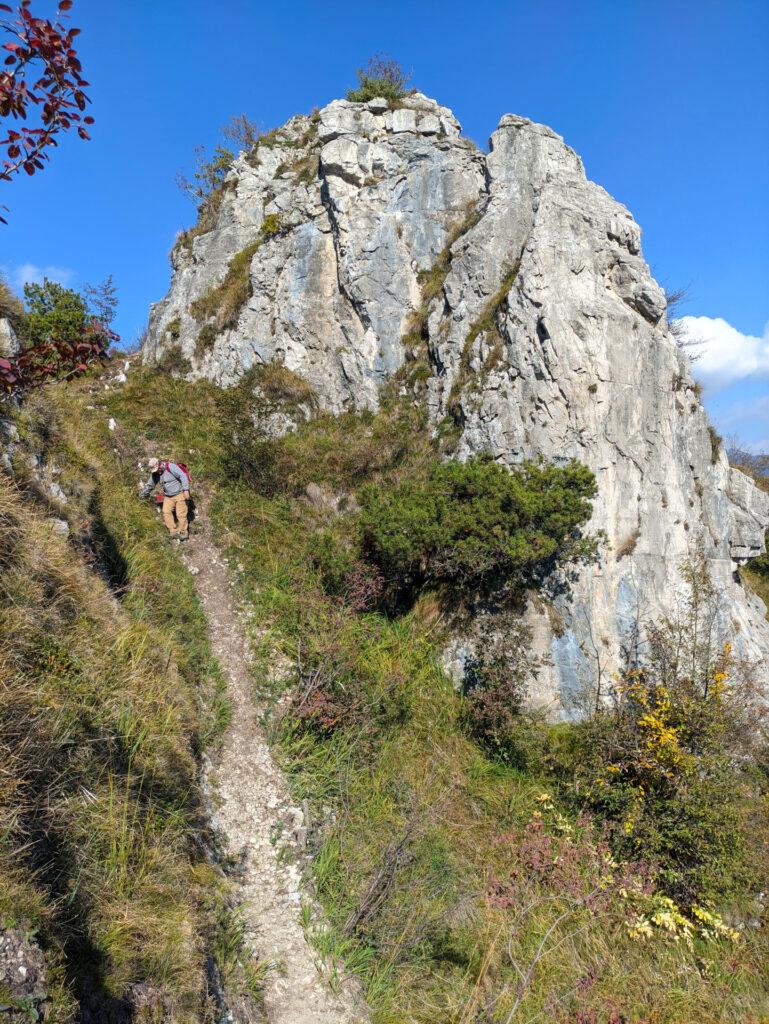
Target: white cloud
30	273
723	354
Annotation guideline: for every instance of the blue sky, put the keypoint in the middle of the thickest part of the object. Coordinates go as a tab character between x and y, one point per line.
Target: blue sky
666	102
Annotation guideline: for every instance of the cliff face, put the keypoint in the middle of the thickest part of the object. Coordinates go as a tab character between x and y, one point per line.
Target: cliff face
374	234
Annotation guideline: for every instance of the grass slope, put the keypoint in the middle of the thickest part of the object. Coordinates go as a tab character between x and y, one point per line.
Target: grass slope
110	694
414	827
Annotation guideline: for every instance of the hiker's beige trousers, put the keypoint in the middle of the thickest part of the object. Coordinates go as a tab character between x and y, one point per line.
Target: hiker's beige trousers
176	504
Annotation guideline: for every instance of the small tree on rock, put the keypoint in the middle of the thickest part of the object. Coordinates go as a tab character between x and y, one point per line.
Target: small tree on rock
382	76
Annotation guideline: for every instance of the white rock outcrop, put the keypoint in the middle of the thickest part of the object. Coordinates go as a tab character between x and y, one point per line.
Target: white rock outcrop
9	343
579	361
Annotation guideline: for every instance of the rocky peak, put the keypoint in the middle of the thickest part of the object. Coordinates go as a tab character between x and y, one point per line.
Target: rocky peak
367	235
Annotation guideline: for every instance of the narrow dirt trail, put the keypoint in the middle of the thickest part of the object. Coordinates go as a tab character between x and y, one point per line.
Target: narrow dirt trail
251	806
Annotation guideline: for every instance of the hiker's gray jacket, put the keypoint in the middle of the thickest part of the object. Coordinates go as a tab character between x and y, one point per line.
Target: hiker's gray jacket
172	479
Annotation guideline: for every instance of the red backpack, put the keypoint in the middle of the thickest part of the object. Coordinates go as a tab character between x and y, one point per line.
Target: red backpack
163	467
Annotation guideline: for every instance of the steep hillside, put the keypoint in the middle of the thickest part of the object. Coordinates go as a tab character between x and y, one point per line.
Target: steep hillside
113	908
461	877
362	240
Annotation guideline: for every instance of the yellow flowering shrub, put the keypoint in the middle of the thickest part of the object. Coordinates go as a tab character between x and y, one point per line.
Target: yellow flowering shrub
664	764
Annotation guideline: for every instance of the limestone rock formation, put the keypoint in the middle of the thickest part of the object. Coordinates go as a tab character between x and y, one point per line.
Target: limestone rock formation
544	332
9	343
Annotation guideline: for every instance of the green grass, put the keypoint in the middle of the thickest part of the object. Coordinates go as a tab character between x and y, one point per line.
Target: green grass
110	694
406	811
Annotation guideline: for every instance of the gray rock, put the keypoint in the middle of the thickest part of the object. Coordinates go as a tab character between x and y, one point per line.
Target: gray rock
404	120
581	363
23	976
9	343
57	492
9	432
59	527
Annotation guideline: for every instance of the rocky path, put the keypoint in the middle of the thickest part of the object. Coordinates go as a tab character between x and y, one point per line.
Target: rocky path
252	808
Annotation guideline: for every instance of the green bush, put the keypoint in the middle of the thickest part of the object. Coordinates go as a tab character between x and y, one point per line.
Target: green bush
53	312
271	225
497	680
383	77
478	526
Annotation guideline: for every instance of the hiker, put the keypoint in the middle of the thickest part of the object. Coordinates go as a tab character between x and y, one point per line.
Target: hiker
175	483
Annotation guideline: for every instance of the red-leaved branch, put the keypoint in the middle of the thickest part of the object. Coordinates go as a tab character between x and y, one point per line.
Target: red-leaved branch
41	75
56	359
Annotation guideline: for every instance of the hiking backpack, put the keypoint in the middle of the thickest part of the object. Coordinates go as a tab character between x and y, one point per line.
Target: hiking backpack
162	468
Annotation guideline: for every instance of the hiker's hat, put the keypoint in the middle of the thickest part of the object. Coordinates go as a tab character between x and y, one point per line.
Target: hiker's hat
154	463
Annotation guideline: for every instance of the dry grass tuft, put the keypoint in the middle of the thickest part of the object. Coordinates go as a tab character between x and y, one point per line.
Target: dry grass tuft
11	306
628	545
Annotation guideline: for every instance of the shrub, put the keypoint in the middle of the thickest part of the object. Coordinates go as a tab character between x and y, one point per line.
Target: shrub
496	682
249	452
271	225
382	76
343	575
478	526
209	173
205	339
60	337
663	765
53	311
337	687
